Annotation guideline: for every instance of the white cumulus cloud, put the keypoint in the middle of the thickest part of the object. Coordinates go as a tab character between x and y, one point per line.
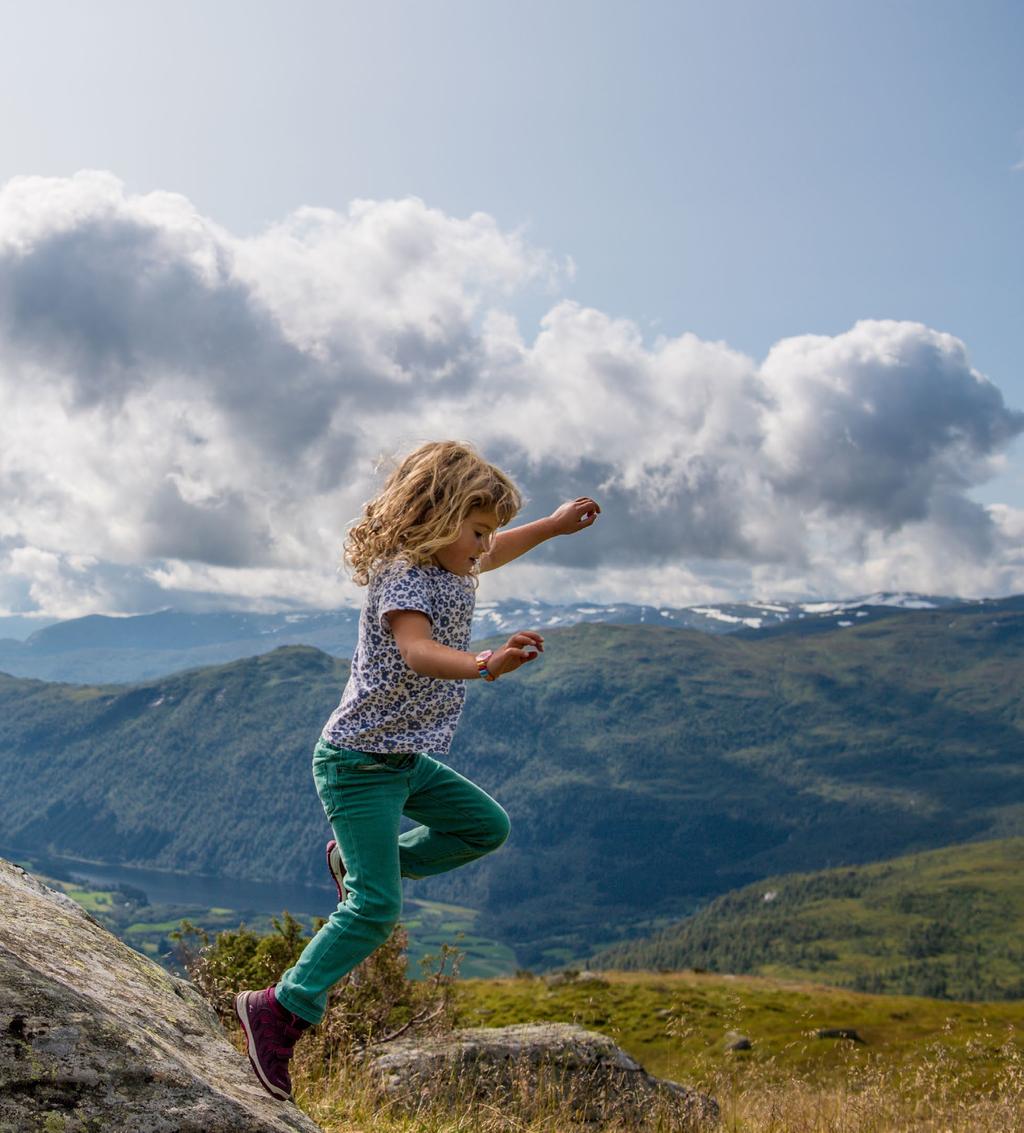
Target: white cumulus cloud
190	417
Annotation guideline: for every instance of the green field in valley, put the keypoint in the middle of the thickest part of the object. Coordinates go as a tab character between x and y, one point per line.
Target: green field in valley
149	928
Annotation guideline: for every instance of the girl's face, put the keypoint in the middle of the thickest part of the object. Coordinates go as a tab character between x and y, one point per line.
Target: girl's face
474	539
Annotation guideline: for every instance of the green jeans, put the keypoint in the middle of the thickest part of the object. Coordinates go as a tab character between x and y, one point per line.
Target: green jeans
365	799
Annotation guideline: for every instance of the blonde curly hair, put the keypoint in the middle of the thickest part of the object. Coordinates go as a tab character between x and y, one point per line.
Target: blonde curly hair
423	504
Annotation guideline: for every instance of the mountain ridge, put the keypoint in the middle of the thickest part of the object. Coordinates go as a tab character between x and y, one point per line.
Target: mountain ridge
646	769
99	648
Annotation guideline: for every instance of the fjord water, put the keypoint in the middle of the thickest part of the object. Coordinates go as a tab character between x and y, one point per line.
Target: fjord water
170	888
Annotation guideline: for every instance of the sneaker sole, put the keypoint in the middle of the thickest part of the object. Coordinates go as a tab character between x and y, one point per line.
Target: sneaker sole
338	880
241	1001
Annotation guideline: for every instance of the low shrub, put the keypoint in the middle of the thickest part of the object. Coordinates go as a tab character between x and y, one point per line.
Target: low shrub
375	1003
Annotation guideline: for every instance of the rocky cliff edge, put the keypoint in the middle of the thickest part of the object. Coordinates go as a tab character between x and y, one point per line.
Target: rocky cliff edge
94	1036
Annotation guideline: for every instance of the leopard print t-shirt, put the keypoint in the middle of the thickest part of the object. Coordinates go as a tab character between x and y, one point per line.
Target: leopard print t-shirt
386	707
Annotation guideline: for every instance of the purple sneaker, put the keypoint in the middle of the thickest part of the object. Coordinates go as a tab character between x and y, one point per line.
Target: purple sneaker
337	868
271	1032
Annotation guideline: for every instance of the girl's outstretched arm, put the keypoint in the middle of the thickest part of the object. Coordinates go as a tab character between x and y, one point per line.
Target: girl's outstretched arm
572	516
430	658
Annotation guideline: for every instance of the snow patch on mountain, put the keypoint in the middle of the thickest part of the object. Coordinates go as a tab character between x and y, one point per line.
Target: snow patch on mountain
711	612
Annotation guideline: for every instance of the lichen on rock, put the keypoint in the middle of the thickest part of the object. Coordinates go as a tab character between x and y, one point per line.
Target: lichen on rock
94	1036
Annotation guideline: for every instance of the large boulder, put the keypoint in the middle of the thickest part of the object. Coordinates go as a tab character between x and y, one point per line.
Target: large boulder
94	1036
536	1069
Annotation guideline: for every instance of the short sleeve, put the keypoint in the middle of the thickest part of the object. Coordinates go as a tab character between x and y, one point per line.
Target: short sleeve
402	587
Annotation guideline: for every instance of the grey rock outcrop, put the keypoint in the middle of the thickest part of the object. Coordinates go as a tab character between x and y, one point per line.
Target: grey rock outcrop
537	1068
94	1036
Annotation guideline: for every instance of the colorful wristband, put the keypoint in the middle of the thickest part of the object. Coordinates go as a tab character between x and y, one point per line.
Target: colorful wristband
481	665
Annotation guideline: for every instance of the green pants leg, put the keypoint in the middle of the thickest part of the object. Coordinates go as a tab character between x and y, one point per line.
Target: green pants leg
365	801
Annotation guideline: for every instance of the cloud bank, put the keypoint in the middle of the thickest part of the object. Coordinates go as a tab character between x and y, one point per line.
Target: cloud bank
191	418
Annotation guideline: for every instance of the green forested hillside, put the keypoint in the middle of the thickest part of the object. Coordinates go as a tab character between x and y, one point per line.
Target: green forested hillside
948	923
206	771
646	769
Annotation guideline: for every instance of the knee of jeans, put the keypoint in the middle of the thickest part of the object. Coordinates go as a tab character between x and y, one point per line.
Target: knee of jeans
499	830
381	912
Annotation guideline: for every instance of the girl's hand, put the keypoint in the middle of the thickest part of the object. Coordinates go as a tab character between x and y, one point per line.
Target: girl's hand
574	515
518	650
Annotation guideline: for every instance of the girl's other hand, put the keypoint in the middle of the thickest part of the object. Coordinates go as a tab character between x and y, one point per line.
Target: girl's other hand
575	515
518	650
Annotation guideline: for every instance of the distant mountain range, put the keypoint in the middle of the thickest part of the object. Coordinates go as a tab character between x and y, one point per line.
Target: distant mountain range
99	649
647	769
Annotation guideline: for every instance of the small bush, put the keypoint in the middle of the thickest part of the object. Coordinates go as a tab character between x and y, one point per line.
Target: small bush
238	958
375	1003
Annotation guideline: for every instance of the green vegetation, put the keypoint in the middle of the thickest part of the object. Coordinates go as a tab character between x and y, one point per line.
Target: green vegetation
676	1024
431	926
646	769
933	1066
375	1002
949	923
156	930
923	1064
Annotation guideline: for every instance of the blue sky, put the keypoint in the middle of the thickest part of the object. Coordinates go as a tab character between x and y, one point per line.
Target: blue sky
744	172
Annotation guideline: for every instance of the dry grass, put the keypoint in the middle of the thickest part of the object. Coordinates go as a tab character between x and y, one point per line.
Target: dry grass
350	1103
864	1096
874	1097
927	1067
954	1084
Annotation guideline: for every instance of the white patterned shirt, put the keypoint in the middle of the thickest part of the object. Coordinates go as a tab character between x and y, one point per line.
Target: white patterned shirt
386	707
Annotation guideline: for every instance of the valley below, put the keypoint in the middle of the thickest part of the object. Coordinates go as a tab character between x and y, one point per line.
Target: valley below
648	770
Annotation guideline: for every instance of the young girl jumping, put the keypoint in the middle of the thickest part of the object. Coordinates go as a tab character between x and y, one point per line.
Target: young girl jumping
418	547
